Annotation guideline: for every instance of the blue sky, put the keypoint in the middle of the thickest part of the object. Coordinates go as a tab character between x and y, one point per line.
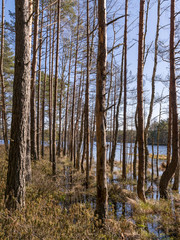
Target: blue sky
163	68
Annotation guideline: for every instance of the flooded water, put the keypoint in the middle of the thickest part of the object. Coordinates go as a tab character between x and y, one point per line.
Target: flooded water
124	209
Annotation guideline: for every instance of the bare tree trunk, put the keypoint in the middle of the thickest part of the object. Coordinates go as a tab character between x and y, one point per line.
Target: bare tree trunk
28	176
102	193
44	95
74	92
4	120
152	162
15	188
176	176
113	152
170	170
169	132
125	92
92	139
140	185
80	142
51	68
55	91
39	87
135	148
86	129
67	101
158	135
33	84
152	86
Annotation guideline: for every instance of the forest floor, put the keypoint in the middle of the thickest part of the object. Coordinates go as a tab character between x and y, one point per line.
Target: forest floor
62	208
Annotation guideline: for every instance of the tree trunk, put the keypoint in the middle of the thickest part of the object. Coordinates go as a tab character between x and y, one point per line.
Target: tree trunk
140	130
125	92
55	91
102	193
39	88
86	128
170	170
113	152
74	92
152	87
67	101
33	84
15	188
4	120
44	96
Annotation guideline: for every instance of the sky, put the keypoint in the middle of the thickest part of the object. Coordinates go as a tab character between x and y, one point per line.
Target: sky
113	6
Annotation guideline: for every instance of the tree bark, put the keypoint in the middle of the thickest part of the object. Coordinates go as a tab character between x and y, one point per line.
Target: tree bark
15	188
55	91
4	120
33	84
170	170
44	96
102	193
140	184
125	92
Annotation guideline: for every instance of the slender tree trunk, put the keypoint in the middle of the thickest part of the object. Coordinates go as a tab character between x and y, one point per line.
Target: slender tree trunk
39	88
87	101
44	96
140	185
176	176
4	120
67	101
113	152
15	188
152	163
152	86
28	176
102	193
135	147
92	140
169	132
76	128
55	91
170	170
74	91
125	92
158	135
80	142
33	84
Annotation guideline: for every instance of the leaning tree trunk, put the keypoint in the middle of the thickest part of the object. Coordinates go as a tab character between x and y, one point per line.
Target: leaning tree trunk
140	130
15	188
102	193
171	168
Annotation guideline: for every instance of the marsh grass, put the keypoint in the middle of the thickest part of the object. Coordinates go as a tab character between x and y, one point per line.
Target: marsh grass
62	208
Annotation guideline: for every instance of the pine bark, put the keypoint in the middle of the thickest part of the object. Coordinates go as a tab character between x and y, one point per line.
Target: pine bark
102	192
140	130
33	84
170	170
55	91
4	120
125	92
15	188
